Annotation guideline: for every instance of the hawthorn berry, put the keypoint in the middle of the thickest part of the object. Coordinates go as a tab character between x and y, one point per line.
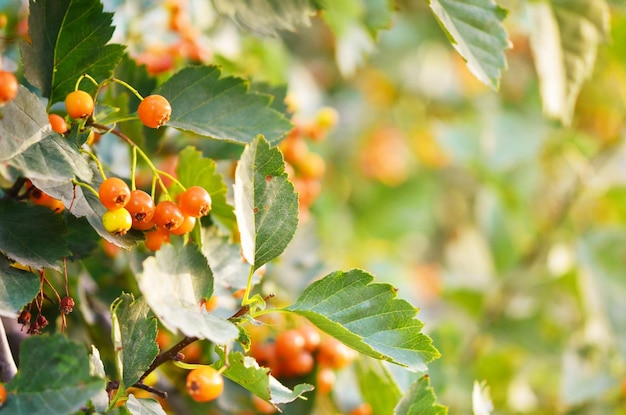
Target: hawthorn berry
117	221
42	199
262	406
3	394
168	215
204	384
141	207
154	111
312	337
187	226
289	343
210	304
79	104
297	365
8	87
325	379
58	123
195	201
156	238
67	305
332	353
114	193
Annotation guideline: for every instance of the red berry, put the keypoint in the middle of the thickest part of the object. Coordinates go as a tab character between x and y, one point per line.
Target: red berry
187	226
195	202
289	343
154	111
141	207
204	384
156	238
114	193
79	104
58	123
168	215
8	87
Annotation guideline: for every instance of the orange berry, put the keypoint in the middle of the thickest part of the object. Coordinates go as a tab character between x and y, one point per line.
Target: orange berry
262	406
168	215
58	123
187	226
154	111
8	87
79	104
3	394
195	201
325	379
289	343
332	353
210	304
114	193
156	238
204	384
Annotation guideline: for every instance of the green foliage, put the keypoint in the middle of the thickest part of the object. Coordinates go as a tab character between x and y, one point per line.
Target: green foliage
220	108
68	39
17	287
143	406
53	378
367	317
265	203
420	399
477	33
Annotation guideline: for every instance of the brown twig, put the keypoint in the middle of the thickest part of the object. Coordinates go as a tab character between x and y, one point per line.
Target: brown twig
171	354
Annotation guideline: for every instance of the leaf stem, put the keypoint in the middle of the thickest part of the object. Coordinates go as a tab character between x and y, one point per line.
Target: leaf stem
97	161
128	86
87	76
246	295
133	169
85	185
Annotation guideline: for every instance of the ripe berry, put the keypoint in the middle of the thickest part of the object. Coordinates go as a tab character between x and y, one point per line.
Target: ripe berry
117	221
114	193
312	337
325	379
3	394
363	409
79	104
262	406
42	199
289	343
195	202
154	111
187	226
204	384
141	207
210	304
168	215
298	365
156	238
332	353
58	123
8	87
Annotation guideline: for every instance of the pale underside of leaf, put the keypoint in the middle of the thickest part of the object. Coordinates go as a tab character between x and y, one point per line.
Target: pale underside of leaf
267	17
564	41
476	31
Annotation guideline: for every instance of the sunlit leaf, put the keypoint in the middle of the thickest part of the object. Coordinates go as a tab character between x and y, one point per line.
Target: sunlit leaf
266	204
53	378
377	385
564	41
224	258
68	39
134	337
221	108
420	400
367	317
476	32
174	283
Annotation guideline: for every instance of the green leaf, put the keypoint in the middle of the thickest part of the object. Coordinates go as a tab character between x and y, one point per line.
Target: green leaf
17	288
32	235
23	123
68	38
222	109
564	41
53	378
195	170
476	32
174	282
81	238
377	385
420	399
367	317
134	337
224	258
266	203
245	371
52	158
268	17
144	406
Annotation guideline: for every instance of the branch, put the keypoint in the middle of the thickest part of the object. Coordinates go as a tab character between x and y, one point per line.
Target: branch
172	354
8	369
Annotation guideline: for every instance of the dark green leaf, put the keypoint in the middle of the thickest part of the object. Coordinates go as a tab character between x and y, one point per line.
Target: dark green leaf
53	378
367	317
24	122
174	283
224	258
68	38
17	288
245	371
81	238
420	400
144	406
195	170
377	385
32	235
266	203
223	108
564	40
134	337
278	94
476	31
267	17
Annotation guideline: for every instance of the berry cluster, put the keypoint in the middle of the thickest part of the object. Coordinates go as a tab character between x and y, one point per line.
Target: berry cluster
136	209
299	351
306	168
